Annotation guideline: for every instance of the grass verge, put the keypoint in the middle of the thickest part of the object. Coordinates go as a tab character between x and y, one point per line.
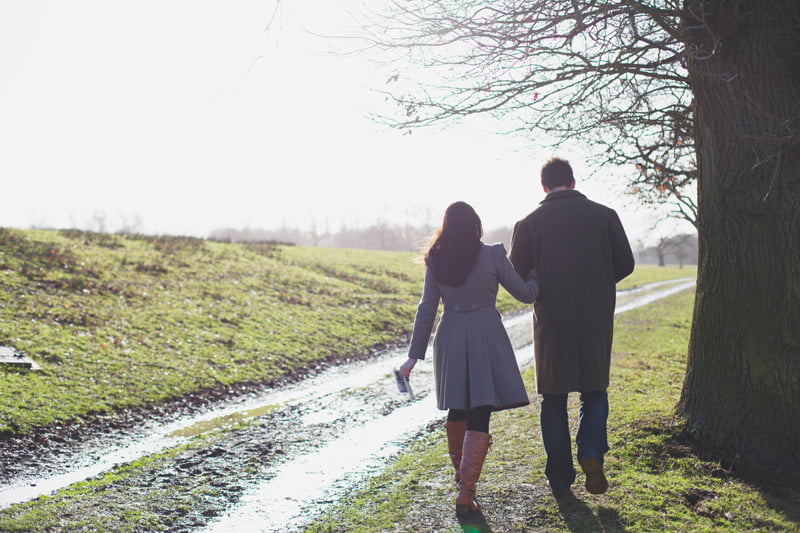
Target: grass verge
120	322
644	274
658	483
128	321
130	497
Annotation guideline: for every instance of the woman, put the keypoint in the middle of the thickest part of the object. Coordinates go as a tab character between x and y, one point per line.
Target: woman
474	365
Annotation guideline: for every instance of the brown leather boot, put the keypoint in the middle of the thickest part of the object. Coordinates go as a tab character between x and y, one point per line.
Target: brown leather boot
455	443
596	482
476	444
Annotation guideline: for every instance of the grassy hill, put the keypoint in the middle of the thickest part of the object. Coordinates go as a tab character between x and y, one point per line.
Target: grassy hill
121	321
118	322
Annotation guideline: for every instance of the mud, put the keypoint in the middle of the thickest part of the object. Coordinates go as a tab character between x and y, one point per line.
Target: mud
214	481
50	449
190	489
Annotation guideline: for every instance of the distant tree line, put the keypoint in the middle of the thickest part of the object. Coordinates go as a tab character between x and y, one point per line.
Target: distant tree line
378	236
673	250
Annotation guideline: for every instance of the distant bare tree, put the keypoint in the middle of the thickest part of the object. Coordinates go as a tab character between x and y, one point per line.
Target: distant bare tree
130	225
683	248
499	235
98	222
661	248
678	245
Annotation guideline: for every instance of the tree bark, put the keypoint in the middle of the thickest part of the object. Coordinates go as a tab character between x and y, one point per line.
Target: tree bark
741	394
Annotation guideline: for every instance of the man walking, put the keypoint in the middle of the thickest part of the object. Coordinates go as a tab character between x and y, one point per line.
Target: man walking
580	251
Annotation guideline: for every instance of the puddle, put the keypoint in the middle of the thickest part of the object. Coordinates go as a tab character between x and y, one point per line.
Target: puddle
222	422
304	483
21	490
639	296
650	287
90	462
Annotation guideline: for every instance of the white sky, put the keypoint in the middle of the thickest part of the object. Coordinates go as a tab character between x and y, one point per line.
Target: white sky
190	116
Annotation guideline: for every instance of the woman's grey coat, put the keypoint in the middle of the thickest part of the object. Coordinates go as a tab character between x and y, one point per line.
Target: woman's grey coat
579	250
474	363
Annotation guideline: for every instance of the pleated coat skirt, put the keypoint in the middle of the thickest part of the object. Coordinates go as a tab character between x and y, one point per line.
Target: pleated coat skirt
474	361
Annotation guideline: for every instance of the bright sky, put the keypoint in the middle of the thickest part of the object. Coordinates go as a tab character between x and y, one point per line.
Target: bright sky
190	116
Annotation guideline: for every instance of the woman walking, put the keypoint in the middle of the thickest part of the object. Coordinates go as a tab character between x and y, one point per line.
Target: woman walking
475	370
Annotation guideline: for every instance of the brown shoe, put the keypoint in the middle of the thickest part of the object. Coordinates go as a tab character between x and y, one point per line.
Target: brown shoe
596	482
476	444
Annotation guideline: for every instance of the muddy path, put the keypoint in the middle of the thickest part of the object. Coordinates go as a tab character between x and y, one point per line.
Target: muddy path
285	452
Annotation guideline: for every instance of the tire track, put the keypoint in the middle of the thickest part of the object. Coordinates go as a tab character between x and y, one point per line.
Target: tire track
292	451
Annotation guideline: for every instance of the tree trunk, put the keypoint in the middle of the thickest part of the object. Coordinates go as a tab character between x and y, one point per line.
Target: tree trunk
741	394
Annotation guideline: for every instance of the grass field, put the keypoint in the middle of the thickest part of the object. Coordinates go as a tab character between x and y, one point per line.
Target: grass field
123	321
128	321
118	321
657	482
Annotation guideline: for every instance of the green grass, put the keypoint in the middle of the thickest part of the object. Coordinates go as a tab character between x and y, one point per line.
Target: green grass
117	500
118	321
649	273
123	321
658	483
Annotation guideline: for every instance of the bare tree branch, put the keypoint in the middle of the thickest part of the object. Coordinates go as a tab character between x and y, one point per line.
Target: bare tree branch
609	74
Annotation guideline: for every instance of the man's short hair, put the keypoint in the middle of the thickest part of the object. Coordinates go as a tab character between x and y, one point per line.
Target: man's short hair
557	173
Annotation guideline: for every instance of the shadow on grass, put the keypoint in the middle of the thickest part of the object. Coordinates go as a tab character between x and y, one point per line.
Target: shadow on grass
675	442
784	500
578	516
474	523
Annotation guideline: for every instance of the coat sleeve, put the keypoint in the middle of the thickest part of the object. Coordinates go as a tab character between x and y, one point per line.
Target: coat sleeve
426	314
621	253
525	290
520	255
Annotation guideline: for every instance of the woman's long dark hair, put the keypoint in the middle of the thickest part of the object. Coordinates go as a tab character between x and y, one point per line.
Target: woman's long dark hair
453	250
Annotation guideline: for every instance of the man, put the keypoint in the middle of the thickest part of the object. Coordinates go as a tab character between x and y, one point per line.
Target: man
580	251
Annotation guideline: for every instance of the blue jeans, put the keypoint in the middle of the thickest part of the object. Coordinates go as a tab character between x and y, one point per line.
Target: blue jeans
591	439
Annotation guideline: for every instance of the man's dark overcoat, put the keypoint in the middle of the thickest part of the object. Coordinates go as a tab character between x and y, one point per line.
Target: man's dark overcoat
579	250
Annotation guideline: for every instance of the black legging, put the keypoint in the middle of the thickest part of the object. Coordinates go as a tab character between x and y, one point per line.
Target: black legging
477	419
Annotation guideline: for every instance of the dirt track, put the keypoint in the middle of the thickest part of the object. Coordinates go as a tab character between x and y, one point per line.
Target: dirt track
217	479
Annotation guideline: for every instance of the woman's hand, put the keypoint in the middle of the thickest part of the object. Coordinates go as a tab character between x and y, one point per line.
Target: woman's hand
533	277
405	369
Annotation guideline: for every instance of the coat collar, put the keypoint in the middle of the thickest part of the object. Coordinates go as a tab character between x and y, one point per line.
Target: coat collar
561	195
